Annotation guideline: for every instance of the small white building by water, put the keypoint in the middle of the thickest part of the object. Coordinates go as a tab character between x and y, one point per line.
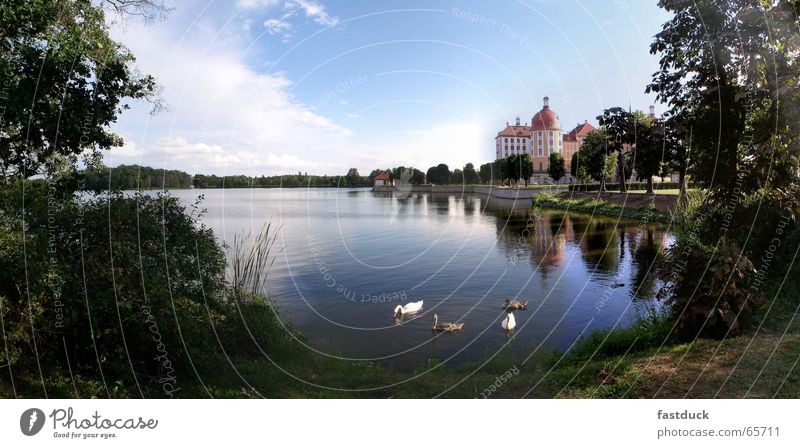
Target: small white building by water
382	180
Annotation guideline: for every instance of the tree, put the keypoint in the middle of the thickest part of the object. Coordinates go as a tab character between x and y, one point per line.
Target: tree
664	169
525	167
597	159
417	177
677	136
396	173
728	73
723	71
485	173
70	81
620	127
500	168
439	174
610	167
430	175
352	178
443	174
470	176
556	168
457	177
649	150
513	168
574	163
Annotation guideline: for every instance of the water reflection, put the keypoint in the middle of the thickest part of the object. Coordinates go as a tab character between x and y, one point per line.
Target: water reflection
348	255
603	242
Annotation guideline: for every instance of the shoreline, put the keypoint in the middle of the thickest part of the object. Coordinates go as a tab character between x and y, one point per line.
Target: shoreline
492	191
648	208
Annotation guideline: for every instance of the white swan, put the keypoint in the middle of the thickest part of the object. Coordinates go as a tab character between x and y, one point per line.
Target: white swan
408	308
509	323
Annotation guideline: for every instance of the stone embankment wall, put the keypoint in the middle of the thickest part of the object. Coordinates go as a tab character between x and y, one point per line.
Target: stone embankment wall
485	190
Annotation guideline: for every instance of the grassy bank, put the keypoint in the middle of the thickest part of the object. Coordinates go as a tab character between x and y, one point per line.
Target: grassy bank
600	207
642	361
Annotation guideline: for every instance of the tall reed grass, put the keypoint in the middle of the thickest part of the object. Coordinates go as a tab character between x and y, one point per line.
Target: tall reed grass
252	259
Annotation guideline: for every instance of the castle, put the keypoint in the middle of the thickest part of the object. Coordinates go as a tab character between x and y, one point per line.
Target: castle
542	137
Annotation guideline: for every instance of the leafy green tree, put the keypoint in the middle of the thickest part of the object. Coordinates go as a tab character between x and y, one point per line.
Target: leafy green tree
600	162
610	168
69	80
649	150
677	137
439	174
352	178
500	169
574	164
470	176
457	177
525	167
556	168
442	174
620	127
728	73
513	168
724	72
485	173
396	173
430	175
132	177
417	177
664	170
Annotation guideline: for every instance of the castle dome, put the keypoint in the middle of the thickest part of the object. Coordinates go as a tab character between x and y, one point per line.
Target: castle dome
545	119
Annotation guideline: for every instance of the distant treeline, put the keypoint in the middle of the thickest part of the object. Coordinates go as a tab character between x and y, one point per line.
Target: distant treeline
352	179
132	177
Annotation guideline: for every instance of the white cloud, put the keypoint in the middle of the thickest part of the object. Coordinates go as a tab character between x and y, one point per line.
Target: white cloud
226	117
277	26
314	10
223	116
253	4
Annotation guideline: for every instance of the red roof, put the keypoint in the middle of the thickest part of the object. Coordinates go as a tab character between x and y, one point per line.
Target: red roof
382	176
515	131
581	130
545	119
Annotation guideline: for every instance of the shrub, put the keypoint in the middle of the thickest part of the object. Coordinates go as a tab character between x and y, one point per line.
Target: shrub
709	290
126	287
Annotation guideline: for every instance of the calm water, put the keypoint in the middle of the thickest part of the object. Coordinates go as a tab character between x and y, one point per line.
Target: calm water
350	256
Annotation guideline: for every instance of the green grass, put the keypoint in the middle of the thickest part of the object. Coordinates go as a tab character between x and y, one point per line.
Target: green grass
600	207
674	191
642	361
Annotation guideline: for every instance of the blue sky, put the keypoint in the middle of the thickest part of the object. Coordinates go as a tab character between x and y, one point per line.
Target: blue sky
280	86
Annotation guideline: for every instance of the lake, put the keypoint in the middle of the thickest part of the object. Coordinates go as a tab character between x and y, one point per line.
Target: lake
349	256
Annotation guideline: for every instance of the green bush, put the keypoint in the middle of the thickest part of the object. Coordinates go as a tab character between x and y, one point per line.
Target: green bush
125	287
